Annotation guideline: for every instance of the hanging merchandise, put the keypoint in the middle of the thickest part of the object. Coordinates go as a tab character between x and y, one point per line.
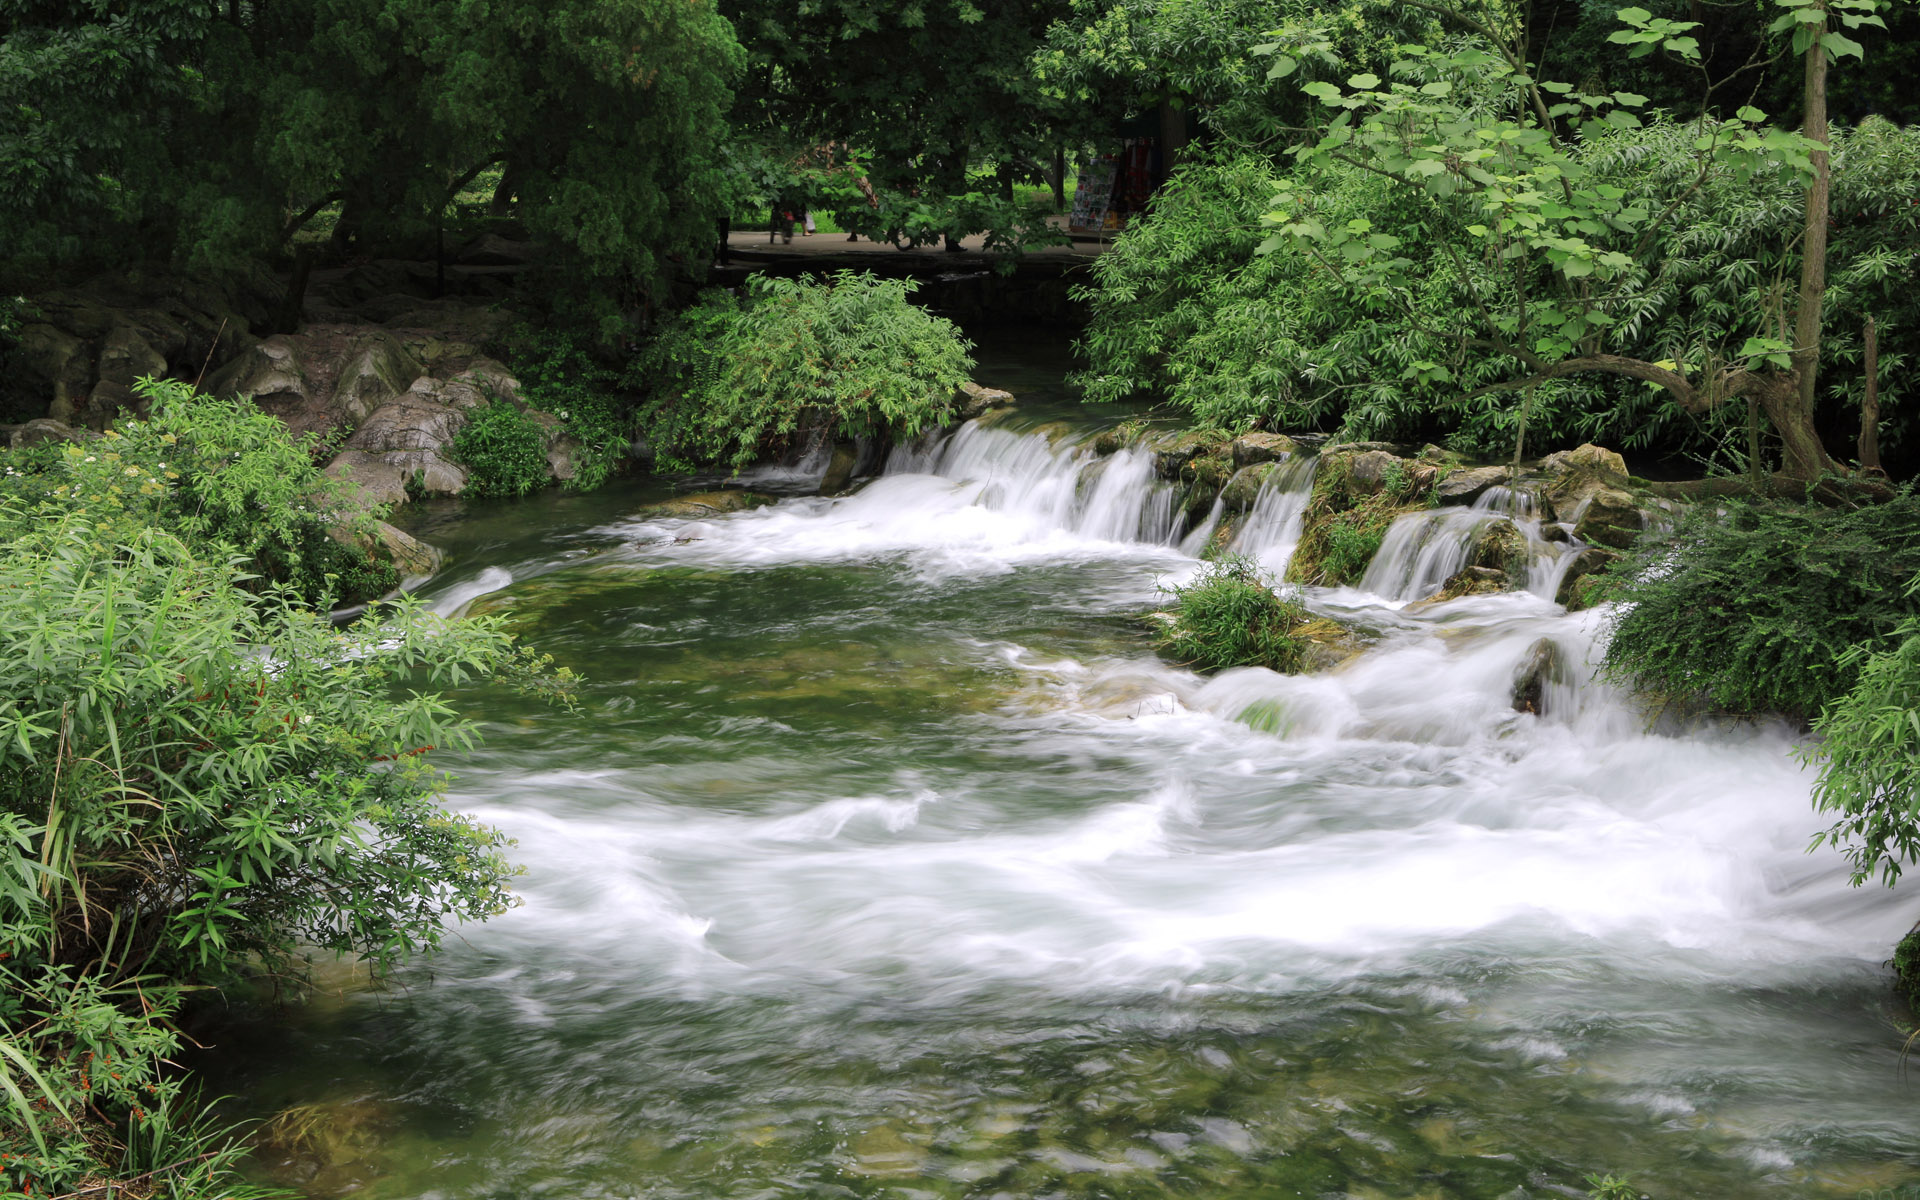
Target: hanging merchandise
1093	195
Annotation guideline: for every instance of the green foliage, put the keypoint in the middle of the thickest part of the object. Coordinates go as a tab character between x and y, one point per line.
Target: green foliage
503	449
846	357
557	375
1230	616
1868	753
1906	967
220	474
604	116
1345	523
1611	1187
196	785
1758	607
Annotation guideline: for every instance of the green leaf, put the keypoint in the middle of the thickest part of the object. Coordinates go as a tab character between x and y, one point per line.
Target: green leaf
1839	45
1283	66
1577	268
1365	82
1634	16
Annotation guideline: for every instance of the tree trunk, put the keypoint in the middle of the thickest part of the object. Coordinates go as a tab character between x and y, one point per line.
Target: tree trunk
1801	454
1870	406
1059	179
1813	249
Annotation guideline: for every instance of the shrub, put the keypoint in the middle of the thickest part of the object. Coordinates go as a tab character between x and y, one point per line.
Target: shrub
1230	617
216	472
1757	606
195	785
503	449
846	357
557	375
1869	758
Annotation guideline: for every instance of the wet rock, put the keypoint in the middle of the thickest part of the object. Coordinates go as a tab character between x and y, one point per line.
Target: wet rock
1327	645
705	504
1542	666
1468	581
1244	488
1172	455
839	469
973	400
1609	518
1503	547
1583	579
1464	487
1251	448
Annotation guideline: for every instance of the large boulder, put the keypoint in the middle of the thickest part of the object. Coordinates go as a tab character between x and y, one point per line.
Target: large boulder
1251	448
1609	518
377	369
1244	488
408	554
973	400
45	429
126	356
1503	547
54	364
1370	469
1541	667
1467	485
839	469
1577	475
1580	582
1586	458
704	504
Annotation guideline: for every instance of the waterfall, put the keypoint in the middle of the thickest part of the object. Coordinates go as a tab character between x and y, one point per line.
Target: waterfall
1421	551
1063	485
1279	514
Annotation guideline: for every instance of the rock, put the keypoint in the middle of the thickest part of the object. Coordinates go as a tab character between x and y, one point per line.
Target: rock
1588	458
1464	487
1609	518
839	469
268	372
1502	547
46	429
408	554
1326	645
1468	581
973	400
108	400
1244	488
1587	562
492	250
125	356
1542	666
1370	469
56	367
377	369
705	504
1251	448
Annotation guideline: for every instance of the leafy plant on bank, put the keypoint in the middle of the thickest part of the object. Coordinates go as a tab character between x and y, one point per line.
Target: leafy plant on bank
503	449
198	785
220	474
1760	607
593	401
849	356
1231	616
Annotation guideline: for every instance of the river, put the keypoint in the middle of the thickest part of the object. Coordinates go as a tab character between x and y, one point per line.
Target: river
885	859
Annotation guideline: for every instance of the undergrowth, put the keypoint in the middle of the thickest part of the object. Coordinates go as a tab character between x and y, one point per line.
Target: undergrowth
1230	616
503	449
1757	607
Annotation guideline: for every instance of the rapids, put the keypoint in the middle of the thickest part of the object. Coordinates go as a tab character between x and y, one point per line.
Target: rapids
885	859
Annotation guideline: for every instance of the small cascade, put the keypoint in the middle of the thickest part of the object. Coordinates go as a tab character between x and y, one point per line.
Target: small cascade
1063	485
1421	551
1279	514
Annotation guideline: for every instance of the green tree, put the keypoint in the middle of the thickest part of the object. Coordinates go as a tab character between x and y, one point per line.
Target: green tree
1553	262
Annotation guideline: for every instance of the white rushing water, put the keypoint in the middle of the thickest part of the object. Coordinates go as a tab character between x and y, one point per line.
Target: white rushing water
817	829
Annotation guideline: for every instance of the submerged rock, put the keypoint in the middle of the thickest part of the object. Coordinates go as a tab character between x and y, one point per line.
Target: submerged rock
705	504
839	469
1468	581
1244	488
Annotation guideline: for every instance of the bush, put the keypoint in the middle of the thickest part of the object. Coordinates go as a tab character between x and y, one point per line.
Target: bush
218	473
196	786
846	357
1869	758
1758	607
557	375
1230	617
503	449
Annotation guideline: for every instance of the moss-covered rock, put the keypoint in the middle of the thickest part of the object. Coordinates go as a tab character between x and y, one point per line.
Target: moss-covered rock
701	505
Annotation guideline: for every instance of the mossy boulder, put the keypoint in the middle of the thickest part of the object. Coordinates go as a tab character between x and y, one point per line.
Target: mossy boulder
1585	582
1466	485
1244	488
1609	518
1251	448
1503	547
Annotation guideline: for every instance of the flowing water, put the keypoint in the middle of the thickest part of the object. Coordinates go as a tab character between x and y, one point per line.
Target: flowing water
885	859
